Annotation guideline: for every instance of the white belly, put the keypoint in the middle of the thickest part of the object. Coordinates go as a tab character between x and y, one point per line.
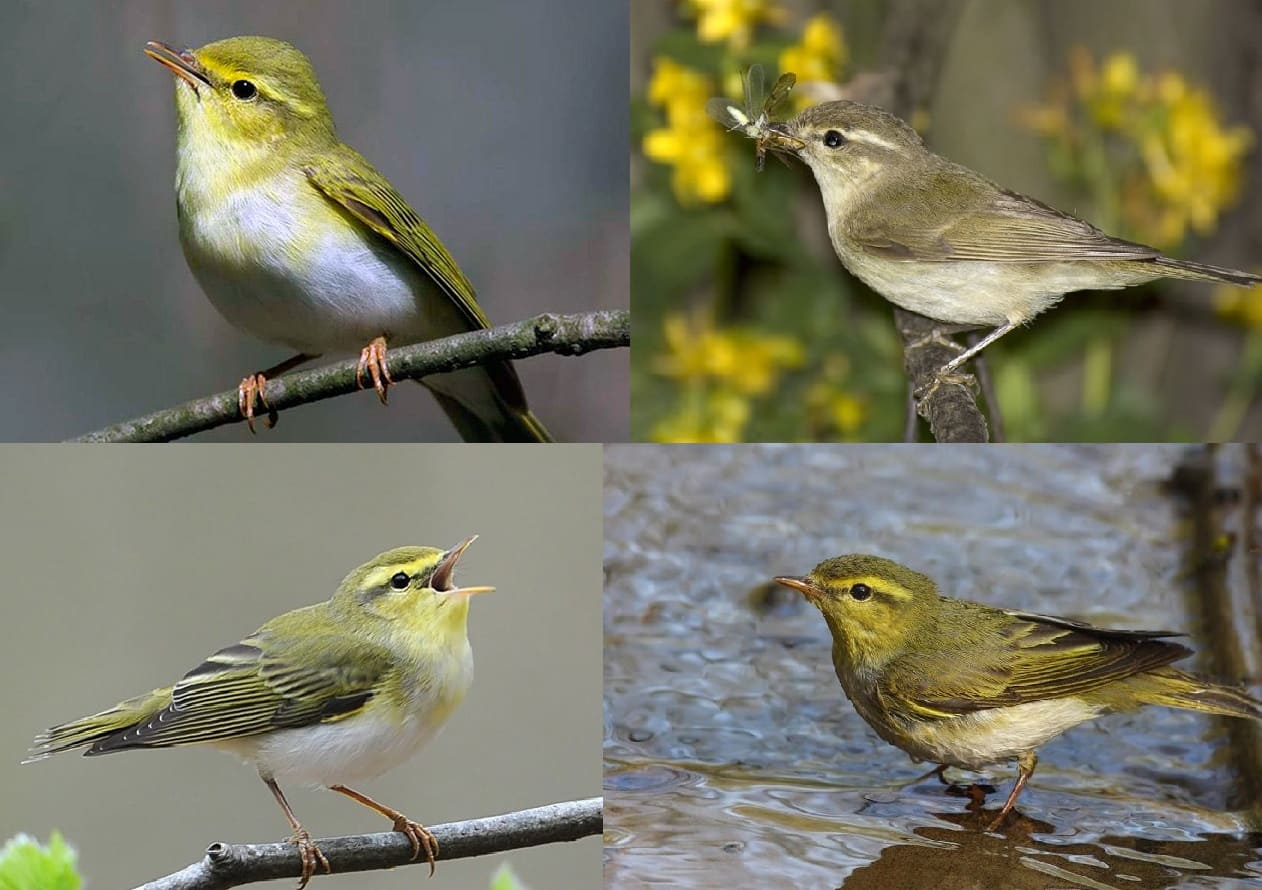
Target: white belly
313	286
999	734
326	754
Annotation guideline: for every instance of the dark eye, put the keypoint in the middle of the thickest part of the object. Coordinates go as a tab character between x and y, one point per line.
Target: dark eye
861	591
243	89
400	581
834	139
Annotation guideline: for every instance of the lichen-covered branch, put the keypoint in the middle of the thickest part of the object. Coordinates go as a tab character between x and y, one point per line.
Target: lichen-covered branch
234	865
560	334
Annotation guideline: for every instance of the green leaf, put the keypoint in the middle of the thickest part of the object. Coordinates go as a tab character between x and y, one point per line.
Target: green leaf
506	879
27	865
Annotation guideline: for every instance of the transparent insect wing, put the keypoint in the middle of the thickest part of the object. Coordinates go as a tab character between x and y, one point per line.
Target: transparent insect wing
777	95
755	84
727	114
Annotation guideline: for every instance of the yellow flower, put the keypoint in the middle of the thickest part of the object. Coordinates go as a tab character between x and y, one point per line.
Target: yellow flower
749	361
690	142
820	55
835	412
1240	305
732	20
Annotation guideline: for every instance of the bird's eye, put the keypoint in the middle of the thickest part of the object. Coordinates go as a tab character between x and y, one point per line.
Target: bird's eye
400	581
834	139
243	89
861	591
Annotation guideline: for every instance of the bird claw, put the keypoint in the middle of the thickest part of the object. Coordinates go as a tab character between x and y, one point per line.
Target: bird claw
310	854
252	388
420	837
372	360
922	394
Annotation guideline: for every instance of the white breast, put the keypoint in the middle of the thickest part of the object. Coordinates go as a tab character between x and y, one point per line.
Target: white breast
278	264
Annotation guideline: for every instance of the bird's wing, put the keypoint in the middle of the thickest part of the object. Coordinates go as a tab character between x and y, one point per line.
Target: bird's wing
945	223
348	180
1038	657
262	684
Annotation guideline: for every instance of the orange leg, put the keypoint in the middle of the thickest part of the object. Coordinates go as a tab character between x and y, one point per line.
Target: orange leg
1025	768
418	834
307	849
254	386
372	359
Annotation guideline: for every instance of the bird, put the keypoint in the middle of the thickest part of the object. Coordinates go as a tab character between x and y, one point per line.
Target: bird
336	692
936	238
298	240
968	685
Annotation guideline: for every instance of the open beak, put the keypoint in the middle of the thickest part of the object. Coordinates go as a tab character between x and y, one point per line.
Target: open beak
780	138
441	580
182	64
801	585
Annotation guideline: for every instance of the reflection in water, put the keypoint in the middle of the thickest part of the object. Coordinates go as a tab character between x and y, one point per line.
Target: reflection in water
732	757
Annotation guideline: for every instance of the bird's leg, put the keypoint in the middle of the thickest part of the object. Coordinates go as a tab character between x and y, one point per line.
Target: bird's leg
939	771
372	358
977	347
309	852
946	374
253	387
416	833
1025	768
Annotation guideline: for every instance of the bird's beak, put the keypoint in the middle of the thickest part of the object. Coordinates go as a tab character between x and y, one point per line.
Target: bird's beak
183	65
780	138
803	586
441	581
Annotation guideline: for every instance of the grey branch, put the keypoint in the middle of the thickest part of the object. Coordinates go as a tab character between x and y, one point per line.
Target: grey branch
917	34
560	334
233	865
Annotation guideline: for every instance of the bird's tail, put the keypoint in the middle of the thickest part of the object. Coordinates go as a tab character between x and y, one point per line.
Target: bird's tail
98	727
1203	272
1175	689
487	404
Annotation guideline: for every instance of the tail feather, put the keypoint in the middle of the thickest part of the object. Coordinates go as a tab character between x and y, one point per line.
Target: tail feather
487	405
1176	689
99	727
1205	272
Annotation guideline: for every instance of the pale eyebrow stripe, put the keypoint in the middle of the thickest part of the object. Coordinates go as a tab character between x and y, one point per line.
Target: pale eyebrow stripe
870	139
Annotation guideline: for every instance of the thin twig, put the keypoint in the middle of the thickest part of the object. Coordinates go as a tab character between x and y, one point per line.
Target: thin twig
560	334
233	865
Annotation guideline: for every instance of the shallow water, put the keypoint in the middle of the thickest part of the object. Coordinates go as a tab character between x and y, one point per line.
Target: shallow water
731	755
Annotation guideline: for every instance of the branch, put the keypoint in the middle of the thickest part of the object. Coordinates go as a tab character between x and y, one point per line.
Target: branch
561	334
232	865
917	34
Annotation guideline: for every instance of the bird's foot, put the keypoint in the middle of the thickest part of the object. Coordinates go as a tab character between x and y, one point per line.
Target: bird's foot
935	338
420	837
922	394
310	854
251	389
372	360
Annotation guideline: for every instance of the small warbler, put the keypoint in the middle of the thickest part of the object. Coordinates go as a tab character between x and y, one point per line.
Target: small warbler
332	693
298	240
964	684
938	239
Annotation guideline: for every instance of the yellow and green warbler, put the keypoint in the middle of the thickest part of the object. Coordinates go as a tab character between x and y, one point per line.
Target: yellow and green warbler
968	685
298	240
332	693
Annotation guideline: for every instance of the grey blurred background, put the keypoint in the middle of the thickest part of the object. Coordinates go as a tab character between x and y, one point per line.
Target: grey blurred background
124	567
503	122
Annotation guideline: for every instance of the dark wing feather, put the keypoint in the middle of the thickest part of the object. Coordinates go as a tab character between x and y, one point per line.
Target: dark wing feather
1037	657
959	215
262	684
